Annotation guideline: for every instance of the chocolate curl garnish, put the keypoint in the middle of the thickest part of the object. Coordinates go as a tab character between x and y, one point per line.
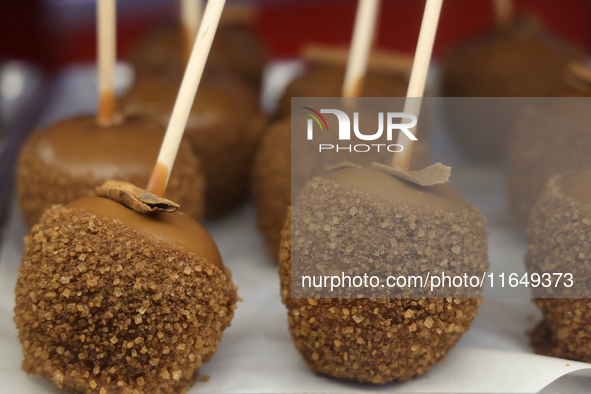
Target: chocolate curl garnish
433	175
136	198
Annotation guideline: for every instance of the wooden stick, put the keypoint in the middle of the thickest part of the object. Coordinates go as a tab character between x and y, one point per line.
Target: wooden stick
363	34
107	57
191	13
418	78
504	12
379	60
186	96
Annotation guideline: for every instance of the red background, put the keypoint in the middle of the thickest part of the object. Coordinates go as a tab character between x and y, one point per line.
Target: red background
26	30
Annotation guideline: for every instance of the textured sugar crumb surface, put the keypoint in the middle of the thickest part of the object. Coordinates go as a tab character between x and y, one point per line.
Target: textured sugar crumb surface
378	339
102	309
338	229
559	240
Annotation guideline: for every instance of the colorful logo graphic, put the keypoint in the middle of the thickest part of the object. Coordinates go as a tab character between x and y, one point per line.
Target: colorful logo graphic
387	122
315	116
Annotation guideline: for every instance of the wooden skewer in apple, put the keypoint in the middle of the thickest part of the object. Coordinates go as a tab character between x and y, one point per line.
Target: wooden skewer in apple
359	222
148	268
72	157
186	96
361	44
418	78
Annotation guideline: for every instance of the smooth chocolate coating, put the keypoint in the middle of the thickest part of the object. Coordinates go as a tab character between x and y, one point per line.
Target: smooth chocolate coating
377	182
578	185
80	147
175	228
222	101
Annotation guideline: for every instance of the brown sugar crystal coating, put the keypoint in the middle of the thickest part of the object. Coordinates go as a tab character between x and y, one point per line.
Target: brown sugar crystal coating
223	130
564	329
235	47
324	80
71	158
101	307
376	339
521	61
559	240
548	139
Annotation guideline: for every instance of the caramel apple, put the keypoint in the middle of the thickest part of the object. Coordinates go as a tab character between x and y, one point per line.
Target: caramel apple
112	301
558	241
223	130
69	159
373	222
518	60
